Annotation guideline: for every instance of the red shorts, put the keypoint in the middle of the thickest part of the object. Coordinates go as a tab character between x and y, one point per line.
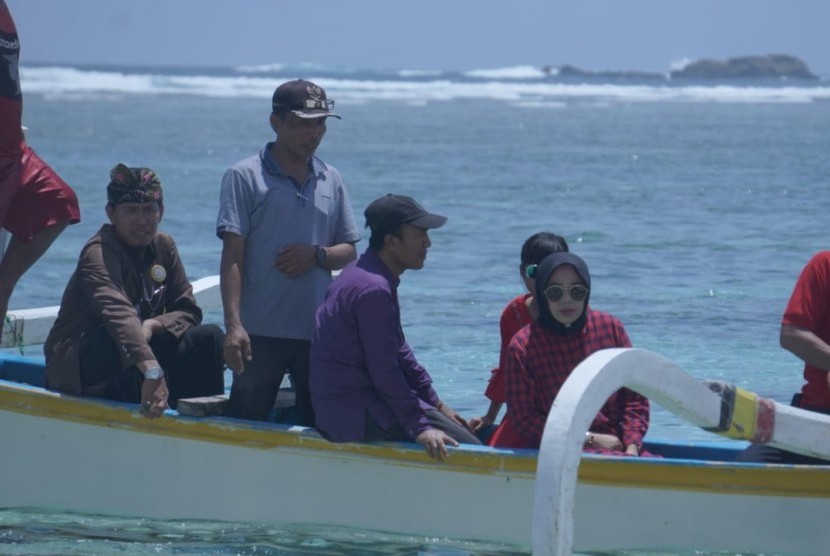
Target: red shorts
33	197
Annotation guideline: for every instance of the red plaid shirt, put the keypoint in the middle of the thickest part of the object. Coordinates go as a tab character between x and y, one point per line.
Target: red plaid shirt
514	317
538	363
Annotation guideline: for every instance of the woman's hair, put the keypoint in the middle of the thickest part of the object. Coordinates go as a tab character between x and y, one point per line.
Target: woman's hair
540	245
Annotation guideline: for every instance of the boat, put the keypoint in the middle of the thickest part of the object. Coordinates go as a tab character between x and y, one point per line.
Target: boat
95	456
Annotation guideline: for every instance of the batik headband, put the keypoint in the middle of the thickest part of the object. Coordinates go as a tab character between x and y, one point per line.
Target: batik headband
133	185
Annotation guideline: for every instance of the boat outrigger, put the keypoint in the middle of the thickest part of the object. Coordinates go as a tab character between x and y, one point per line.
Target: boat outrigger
91	455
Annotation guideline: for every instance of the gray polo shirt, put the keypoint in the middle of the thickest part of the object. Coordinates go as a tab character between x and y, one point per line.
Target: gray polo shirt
270	210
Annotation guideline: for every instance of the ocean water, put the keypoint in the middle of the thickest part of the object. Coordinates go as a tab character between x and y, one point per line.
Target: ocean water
695	206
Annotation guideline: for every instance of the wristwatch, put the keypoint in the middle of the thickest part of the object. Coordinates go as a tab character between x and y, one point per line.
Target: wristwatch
154	373
320	254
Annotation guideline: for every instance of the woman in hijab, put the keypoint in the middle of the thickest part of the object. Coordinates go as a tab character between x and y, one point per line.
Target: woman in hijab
521	310
543	354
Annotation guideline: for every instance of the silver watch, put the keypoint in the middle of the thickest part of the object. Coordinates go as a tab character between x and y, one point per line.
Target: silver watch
154	373
320	254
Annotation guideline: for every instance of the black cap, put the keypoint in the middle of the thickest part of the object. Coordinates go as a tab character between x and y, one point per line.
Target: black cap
390	211
304	99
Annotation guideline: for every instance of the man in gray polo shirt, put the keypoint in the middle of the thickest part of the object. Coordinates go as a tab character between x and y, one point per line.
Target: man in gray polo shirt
286	222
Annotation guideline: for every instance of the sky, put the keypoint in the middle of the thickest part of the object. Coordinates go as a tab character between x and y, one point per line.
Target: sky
645	35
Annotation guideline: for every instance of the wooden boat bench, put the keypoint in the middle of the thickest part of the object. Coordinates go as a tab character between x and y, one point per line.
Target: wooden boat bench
217	405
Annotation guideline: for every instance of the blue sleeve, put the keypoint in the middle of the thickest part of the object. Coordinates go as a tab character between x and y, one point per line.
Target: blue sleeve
235	202
346	230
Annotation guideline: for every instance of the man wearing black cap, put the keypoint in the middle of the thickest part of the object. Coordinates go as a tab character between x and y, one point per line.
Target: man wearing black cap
129	328
365	381
286	222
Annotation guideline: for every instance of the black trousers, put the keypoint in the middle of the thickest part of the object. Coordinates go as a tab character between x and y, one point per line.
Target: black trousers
437	420
193	366
254	392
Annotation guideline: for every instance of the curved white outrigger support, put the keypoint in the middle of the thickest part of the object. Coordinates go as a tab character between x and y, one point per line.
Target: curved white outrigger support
31	326
717	407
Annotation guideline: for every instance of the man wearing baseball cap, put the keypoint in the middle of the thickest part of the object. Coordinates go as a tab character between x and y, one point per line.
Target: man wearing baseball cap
365	381
286	223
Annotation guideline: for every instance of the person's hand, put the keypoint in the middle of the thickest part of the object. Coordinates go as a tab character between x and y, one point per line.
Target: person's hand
154	396
452	414
478	423
435	441
236	349
296	259
151	327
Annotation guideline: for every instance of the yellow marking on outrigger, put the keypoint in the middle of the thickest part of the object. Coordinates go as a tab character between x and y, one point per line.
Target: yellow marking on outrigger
744	416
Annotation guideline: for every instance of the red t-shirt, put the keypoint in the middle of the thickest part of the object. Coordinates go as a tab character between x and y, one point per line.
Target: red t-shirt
514	317
809	308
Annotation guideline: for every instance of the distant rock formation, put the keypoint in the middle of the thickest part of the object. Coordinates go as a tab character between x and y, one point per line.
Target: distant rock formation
772	66
572	71
746	67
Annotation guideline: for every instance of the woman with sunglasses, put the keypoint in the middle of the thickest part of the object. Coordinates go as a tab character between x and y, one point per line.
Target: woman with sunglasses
543	354
519	312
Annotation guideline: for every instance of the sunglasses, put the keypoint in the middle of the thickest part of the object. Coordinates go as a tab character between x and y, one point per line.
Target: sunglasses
576	292
313	104
530	270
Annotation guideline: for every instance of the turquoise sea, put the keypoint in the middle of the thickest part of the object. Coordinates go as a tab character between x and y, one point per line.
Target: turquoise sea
694	204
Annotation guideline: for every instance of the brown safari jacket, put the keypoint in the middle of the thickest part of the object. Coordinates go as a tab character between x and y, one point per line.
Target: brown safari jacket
113	285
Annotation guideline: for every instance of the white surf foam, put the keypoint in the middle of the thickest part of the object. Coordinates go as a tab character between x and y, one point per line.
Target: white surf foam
57	81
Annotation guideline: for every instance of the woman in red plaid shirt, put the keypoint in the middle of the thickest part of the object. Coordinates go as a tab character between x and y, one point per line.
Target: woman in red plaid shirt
543	354
520	311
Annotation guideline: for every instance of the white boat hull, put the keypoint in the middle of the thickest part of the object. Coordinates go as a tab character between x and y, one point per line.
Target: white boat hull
91	456
127	465
87	455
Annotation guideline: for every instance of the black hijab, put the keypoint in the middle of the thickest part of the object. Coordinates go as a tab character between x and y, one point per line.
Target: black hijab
543	274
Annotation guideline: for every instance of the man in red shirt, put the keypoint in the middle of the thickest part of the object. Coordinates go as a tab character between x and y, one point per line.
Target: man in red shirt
805	331
35	203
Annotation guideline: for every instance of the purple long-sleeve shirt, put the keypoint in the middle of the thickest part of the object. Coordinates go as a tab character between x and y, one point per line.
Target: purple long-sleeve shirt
360	361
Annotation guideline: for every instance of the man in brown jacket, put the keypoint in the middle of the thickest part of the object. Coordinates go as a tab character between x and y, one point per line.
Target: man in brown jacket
129	328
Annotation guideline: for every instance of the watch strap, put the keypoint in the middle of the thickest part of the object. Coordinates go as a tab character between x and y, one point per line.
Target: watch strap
320	254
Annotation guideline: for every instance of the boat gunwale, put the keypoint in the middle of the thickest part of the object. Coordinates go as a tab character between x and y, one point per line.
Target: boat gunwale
40	402
711	477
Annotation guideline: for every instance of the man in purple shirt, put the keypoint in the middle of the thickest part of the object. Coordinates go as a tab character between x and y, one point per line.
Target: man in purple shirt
365	381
